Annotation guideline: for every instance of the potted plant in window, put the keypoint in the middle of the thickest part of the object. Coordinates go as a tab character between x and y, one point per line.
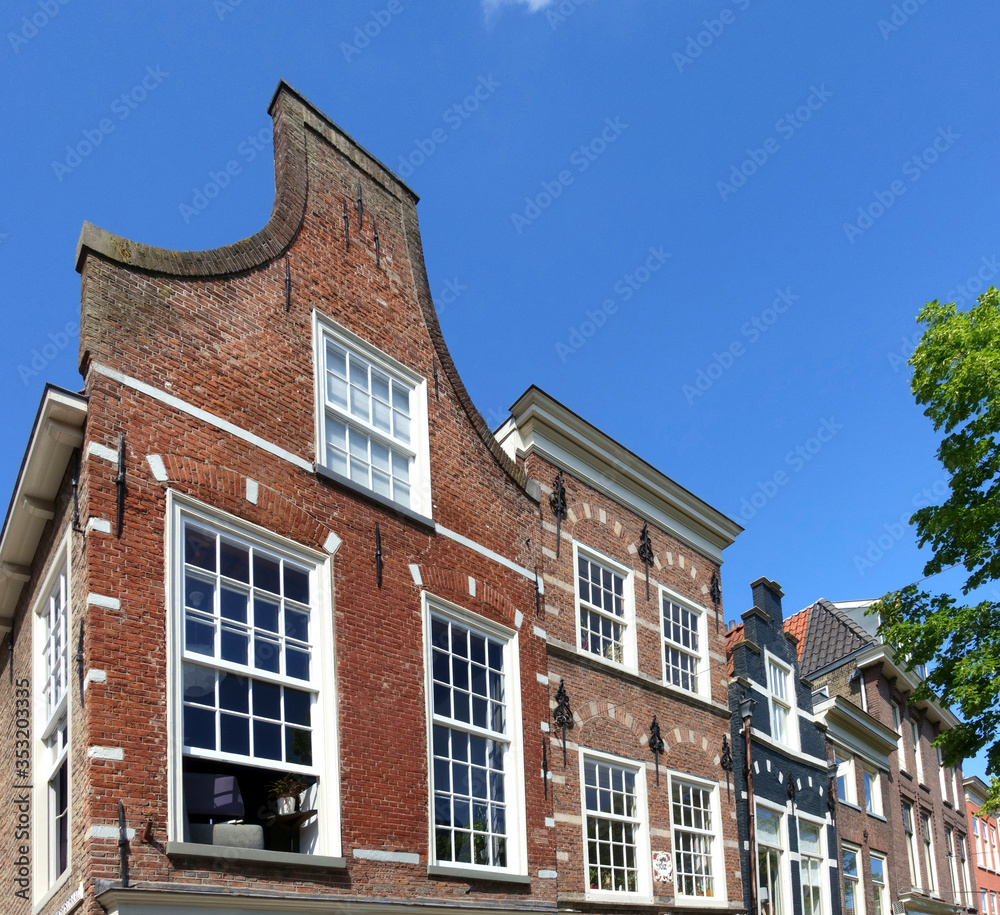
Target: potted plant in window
285	791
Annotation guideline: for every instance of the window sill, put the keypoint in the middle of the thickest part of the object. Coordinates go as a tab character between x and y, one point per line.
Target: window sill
848	804
51	892
328	476
475	873
232	853
595	662
876	816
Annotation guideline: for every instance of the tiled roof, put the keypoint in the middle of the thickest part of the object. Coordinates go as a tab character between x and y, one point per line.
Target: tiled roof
829	636
796	625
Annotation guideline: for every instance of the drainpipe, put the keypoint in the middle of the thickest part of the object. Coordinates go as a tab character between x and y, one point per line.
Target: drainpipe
746	713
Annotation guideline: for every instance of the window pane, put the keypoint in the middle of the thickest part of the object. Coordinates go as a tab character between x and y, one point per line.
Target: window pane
267	740
199	549
234	561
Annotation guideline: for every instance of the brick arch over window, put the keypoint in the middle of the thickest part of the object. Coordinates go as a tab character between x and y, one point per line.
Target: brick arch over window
454	586
583	511
272	510
600	710
674	738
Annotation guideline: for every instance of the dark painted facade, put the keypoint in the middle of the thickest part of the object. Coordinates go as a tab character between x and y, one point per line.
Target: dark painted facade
786	831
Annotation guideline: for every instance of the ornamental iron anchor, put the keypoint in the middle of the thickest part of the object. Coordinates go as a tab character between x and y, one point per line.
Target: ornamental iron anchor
656	745
716	592
562	714
726	761
557	502
120	486
646	552
378	555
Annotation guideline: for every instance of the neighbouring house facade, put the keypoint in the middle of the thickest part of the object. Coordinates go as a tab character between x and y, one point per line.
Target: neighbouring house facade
287	625
900	813
632	617
985	847
787	834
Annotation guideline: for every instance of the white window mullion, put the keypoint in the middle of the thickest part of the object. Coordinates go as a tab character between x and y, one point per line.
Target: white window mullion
474	796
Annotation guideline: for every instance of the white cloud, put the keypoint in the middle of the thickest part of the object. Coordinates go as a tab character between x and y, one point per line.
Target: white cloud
493	6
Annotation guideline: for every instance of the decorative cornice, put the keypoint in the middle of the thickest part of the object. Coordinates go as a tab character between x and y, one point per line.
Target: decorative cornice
542	425
57	433
856	730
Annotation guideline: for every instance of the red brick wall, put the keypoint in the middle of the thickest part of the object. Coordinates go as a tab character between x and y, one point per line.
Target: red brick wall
226	344
613	712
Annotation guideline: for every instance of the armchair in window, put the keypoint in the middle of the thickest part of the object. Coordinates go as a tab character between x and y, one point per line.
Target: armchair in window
215	812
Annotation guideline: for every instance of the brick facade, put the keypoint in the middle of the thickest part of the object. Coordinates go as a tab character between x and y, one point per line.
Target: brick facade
984	848
783	807
615	701
917	825
201	369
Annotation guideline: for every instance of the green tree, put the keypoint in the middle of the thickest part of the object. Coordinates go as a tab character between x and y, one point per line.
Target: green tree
956	378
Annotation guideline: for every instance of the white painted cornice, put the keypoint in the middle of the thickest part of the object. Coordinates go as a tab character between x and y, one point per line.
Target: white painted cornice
57	432
936	712
856	730
541	425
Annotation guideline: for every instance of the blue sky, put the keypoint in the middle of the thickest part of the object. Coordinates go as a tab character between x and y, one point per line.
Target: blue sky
706	227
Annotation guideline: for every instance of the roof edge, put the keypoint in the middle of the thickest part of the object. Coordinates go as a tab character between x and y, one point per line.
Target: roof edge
55	434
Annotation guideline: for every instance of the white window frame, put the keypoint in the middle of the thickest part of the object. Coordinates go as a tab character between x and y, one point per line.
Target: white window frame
872	780
717	864
418	448
766	907
942	775
897	726
927	841
880	888
788	703
51	729
821	860
964	863
644	890
951	852
844	761
626	620
323	835
857	879
513	773
918	763
910	838
701	677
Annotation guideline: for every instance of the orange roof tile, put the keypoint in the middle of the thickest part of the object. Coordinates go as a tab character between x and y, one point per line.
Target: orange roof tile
796	625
